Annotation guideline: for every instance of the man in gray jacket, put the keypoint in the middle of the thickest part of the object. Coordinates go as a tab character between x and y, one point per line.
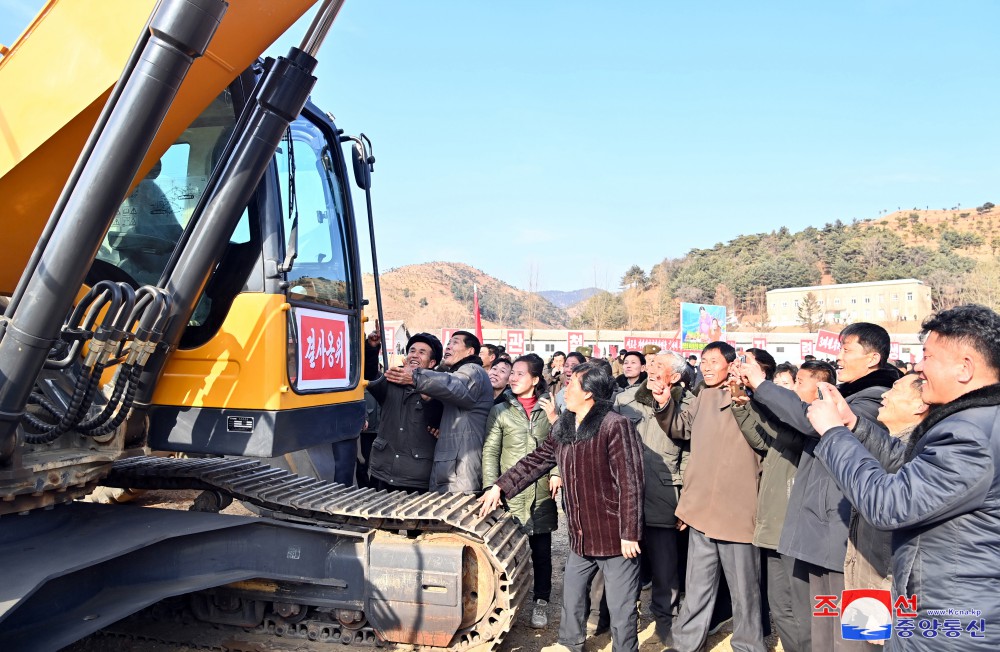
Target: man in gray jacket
467	395
943	504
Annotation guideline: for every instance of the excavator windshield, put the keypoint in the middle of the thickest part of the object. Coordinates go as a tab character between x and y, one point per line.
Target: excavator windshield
313	204
150	220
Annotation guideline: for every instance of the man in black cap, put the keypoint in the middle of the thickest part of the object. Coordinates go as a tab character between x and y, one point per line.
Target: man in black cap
402	455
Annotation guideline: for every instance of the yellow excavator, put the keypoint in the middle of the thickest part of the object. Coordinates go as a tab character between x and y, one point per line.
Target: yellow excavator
182	273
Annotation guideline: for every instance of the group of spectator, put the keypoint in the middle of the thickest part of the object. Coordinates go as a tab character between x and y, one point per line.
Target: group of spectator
784	483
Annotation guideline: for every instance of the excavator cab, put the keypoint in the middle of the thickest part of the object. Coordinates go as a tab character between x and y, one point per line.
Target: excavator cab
270	359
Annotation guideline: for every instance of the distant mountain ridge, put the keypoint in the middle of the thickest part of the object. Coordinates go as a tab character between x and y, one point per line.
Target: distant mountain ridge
438	295
565	299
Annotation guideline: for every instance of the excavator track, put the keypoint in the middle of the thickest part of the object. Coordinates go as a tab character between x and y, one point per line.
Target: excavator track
497	539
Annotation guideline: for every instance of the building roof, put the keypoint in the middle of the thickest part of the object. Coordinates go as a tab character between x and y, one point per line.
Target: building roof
841	286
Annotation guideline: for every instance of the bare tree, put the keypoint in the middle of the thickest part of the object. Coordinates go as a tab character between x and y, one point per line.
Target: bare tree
811	313
983	285
755	314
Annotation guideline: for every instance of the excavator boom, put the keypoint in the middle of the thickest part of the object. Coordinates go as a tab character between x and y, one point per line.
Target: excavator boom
57	76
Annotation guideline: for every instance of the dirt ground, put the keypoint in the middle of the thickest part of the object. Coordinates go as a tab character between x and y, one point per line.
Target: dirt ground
522	637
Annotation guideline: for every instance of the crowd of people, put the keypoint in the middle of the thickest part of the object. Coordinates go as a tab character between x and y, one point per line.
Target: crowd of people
723	480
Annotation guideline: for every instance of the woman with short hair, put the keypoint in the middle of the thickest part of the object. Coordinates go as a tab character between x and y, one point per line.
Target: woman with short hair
599	455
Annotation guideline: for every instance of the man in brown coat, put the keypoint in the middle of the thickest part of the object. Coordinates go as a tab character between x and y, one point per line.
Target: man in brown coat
600	458
718	504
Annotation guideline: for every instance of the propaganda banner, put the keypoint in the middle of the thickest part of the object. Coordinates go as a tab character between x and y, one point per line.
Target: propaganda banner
323	350
515	342
827	342
894	351
760	342
806	348
635	343
701	324
389	339
574	339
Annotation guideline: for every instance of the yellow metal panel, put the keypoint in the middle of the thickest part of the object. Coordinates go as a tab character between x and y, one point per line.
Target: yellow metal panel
244	366
57	76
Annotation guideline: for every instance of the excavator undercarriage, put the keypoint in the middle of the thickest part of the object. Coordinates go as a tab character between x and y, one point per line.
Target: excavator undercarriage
322	563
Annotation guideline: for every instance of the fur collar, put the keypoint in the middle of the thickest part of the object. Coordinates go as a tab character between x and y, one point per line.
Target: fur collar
882	377
565	431
644	396
622	381
983	397
472	359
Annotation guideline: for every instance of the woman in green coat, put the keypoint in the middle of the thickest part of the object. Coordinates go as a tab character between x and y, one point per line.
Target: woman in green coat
515	428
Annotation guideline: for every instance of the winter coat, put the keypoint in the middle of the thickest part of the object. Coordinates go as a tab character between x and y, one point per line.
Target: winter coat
467	396
943	506
662	457
781	447
815	528
720	482
510	435
869	549
601	466
403	452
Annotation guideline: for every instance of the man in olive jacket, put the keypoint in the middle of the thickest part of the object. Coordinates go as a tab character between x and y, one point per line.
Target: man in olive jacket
662	459
467	395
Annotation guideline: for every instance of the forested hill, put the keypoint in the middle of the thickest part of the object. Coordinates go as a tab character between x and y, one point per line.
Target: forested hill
940	247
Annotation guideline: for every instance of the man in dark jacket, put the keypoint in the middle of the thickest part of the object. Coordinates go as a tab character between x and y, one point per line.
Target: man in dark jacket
943	504
467	396
781	446
402	454
816	525
600	459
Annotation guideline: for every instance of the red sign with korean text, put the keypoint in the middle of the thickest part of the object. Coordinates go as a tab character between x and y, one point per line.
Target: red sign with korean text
894	351
760	342
324	350
828	342
574	339
806	348
635	343
515	342
389	339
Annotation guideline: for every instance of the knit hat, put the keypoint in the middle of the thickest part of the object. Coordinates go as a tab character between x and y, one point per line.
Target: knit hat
431	341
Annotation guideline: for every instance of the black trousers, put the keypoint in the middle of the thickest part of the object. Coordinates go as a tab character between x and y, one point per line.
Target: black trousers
784	593
659	549
541	559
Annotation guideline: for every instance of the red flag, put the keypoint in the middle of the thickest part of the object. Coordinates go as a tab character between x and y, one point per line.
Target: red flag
479	321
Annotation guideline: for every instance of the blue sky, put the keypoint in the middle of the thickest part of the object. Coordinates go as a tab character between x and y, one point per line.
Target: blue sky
580	138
